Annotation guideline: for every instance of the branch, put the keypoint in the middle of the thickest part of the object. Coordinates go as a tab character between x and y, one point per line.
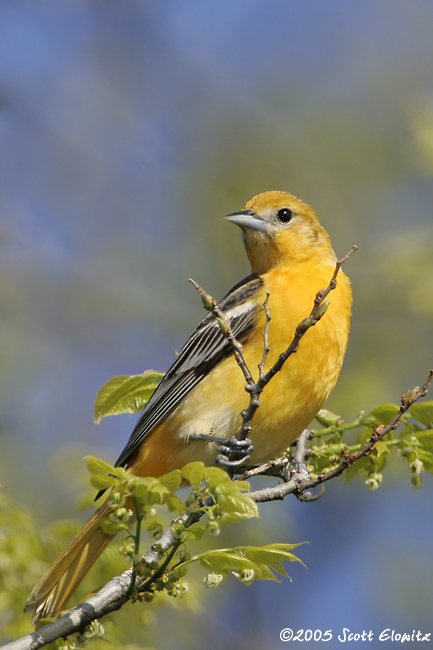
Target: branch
298	483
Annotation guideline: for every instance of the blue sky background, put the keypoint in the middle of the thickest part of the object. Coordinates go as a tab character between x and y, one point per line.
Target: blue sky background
127	130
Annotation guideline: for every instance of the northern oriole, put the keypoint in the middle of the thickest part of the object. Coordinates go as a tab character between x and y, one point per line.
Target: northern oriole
204	391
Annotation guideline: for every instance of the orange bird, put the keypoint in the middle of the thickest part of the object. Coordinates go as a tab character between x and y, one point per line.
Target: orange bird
203	392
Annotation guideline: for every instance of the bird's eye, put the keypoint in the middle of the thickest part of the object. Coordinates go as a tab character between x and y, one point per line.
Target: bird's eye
285	215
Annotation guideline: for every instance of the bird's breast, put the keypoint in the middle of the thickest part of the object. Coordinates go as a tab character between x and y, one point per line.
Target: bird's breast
293	396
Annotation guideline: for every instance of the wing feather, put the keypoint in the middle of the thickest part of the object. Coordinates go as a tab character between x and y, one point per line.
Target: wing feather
205	349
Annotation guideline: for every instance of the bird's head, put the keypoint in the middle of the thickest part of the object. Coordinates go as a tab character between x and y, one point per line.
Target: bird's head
280	230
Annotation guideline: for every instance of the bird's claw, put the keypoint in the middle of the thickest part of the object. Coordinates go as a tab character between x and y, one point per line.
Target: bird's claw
309	497
298	468
233	452
295	466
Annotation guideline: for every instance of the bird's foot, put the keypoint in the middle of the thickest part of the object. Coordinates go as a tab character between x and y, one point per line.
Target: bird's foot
295	468
233	452
298	470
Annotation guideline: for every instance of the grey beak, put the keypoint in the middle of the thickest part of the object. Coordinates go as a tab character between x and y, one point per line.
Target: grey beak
247	219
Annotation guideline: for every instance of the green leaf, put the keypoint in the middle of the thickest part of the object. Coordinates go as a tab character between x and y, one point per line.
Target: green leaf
381	448
364	435
381	461
265	573
171	481
352	471
98	466
112	528
425	438
423	412
193	472
243	486
102	481
260	559
408	431
145	483
427	459
382	414
214	476
223	560
126	394
196	531
235	505
149	491
272	555
174	504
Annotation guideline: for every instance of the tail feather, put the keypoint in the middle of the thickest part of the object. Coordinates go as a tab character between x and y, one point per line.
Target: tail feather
59	583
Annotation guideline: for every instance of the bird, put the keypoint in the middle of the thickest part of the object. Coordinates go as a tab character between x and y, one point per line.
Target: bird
203	392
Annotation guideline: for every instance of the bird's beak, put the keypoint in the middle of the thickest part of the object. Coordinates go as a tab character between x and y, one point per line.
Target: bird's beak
247	219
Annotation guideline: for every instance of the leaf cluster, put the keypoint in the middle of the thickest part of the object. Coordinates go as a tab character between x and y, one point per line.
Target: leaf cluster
412	441
213	500
203	499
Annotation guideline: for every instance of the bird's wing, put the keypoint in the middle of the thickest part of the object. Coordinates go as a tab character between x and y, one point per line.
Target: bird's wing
204	350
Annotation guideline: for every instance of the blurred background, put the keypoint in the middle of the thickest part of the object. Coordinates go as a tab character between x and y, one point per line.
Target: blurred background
127	130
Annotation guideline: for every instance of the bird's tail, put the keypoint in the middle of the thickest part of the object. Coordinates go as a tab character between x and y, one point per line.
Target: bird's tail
59	583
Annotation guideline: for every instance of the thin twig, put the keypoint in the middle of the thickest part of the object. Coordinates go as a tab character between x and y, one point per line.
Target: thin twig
136	540
265	333
223	321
